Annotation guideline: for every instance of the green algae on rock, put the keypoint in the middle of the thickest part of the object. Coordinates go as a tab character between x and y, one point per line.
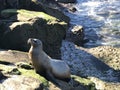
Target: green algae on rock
10	70
13	70
85	82
32	73
50	30
28	14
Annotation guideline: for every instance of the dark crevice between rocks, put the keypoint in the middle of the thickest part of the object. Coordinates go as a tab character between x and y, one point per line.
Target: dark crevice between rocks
5	63
2	77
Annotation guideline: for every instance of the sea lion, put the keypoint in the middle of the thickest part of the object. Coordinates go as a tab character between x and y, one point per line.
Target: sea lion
51	69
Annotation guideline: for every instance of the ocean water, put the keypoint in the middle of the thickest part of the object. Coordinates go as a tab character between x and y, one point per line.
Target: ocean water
100	19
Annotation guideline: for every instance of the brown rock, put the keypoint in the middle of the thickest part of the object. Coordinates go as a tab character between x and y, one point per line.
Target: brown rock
76	35
32	24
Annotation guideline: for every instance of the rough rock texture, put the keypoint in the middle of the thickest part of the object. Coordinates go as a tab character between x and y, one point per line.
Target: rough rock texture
1	76
108	54
35	5
101	85
32	25
12	56
20	73
53	9
21	83
76	35
88	63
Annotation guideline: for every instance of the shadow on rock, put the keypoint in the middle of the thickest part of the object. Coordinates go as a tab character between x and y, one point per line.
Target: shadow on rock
83	62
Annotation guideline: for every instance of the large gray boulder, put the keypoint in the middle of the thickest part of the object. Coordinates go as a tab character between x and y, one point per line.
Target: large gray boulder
30	24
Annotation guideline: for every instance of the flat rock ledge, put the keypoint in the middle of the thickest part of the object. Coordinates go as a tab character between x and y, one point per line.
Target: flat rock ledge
21	83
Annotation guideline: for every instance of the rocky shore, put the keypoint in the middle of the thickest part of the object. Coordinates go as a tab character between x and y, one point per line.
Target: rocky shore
100	64
95	68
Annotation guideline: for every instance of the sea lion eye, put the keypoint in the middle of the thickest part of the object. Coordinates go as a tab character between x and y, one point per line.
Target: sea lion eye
35	41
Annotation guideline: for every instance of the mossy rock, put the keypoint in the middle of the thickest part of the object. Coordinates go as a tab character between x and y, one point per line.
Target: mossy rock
31	24
26	13
24	65
13	70
32	73
78	83
85	82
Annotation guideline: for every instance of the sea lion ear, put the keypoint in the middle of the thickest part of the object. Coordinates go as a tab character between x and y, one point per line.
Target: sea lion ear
40	42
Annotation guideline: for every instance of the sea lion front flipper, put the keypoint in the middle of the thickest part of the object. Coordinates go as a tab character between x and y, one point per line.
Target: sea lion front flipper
51	78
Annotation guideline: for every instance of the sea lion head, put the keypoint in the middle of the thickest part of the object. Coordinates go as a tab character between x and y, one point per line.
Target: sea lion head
34	42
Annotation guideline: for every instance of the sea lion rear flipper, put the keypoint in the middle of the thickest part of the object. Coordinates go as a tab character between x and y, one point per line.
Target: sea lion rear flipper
51	78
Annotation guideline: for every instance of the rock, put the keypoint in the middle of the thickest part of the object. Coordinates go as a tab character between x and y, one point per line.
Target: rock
24	65
2	76
14	71
107	54
102	85
66	1
53	9
22	83
10	70
12	56
30	80
34	5
100	64
83	83
49	7
77	83
73	9
36	25
76	35
2	4
12	3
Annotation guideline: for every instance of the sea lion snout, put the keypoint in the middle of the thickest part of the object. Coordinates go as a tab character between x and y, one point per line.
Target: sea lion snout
29	41
34	42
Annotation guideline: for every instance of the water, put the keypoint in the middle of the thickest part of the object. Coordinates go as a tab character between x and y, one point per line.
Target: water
101	22
100	19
